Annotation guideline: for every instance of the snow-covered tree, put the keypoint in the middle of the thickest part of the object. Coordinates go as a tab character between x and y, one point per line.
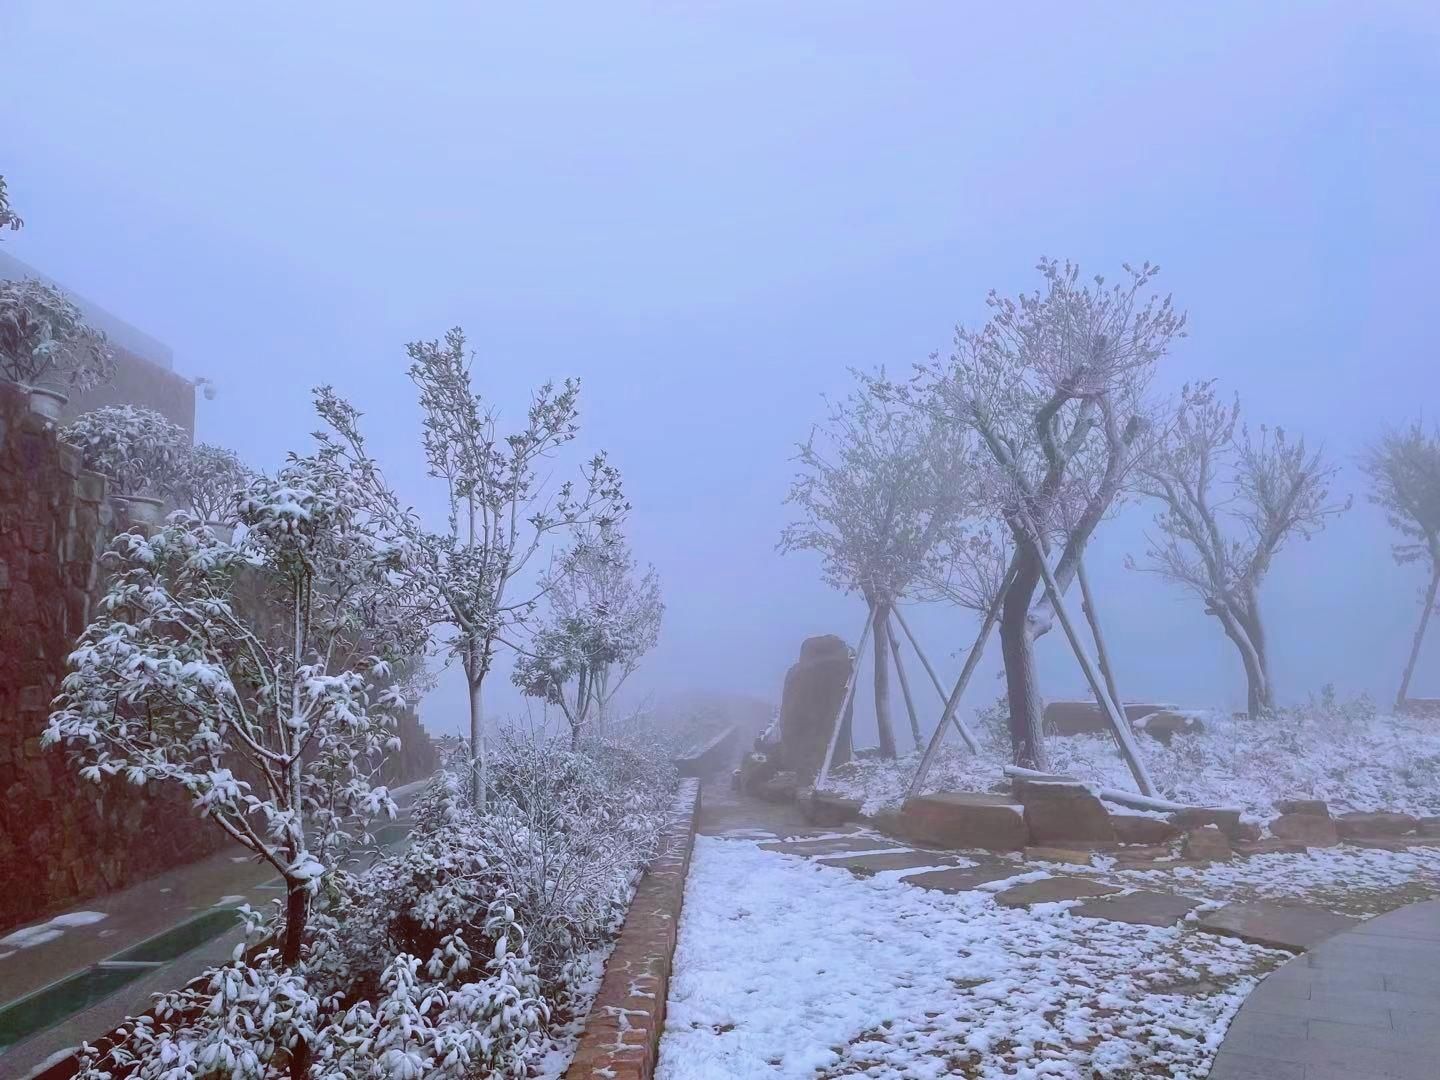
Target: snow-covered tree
44	338
503	511
602	620
883	492
137	448
1404	471
257	677
1054	386
210	482
9	219
1231	500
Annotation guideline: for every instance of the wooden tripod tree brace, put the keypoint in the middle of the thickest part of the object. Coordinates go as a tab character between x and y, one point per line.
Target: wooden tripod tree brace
960	726
905	687
971	662
824	773
1118	724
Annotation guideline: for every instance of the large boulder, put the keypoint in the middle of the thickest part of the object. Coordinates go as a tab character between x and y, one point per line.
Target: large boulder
1063	812
1361	825
814	691
1162	724
1312	830
1206	844
1082	717
1314	807
1226	819
1142	829
966	820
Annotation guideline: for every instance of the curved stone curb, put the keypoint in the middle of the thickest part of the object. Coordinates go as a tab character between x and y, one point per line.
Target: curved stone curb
1363	1003
621	1039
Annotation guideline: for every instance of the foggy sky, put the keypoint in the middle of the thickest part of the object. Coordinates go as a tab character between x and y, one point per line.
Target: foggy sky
708	212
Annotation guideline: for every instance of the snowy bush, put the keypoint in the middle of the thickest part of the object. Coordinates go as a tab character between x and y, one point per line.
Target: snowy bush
138	449
452	957
44	338
210	481
1345	752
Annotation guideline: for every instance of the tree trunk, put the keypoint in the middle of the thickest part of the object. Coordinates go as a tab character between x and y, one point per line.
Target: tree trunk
1237	629
905	691
1017	646
881	650
297	910
1264	693
1404	694
477	743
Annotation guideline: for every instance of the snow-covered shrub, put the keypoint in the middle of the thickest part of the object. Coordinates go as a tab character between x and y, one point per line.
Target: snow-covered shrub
210	482
275	737
251	1020
137	448
563	837
44	339
1345	752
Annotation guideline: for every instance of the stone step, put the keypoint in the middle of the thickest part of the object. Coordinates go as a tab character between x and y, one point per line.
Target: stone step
1293	927
1051	890
1140	908
833	845
962	878
966	820
866	865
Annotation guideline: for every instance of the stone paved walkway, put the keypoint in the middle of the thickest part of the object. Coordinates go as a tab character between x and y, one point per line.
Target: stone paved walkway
1362	1004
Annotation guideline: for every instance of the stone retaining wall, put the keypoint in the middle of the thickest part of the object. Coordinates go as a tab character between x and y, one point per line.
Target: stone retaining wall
622	1034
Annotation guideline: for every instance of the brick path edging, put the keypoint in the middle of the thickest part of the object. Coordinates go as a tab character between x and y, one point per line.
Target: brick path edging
621	1040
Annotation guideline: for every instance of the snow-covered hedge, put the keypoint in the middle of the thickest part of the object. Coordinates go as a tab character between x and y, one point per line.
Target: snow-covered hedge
464	954
1347	753
137	448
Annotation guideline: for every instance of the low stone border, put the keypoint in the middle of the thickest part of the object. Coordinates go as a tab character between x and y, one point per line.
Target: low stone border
621	1040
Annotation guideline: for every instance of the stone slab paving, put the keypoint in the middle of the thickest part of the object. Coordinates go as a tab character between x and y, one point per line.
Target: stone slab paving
1051	890
1293	927
962	878
835	845
1141	908
1363	1003
865	865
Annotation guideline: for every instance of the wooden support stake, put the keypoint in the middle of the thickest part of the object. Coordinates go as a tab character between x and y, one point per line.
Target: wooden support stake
1092	616
1128	749
824	773
960	726
905	689
971	662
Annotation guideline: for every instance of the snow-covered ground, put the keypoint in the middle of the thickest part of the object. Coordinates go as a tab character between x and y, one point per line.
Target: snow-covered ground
786	968
1346	753
1346	880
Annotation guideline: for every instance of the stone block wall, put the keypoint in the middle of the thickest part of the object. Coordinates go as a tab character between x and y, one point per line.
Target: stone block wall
63	840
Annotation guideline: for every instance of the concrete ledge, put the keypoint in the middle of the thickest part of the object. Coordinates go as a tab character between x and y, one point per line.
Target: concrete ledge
621	1039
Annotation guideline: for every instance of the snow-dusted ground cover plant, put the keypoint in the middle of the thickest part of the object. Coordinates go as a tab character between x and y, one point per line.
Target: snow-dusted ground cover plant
1345	752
